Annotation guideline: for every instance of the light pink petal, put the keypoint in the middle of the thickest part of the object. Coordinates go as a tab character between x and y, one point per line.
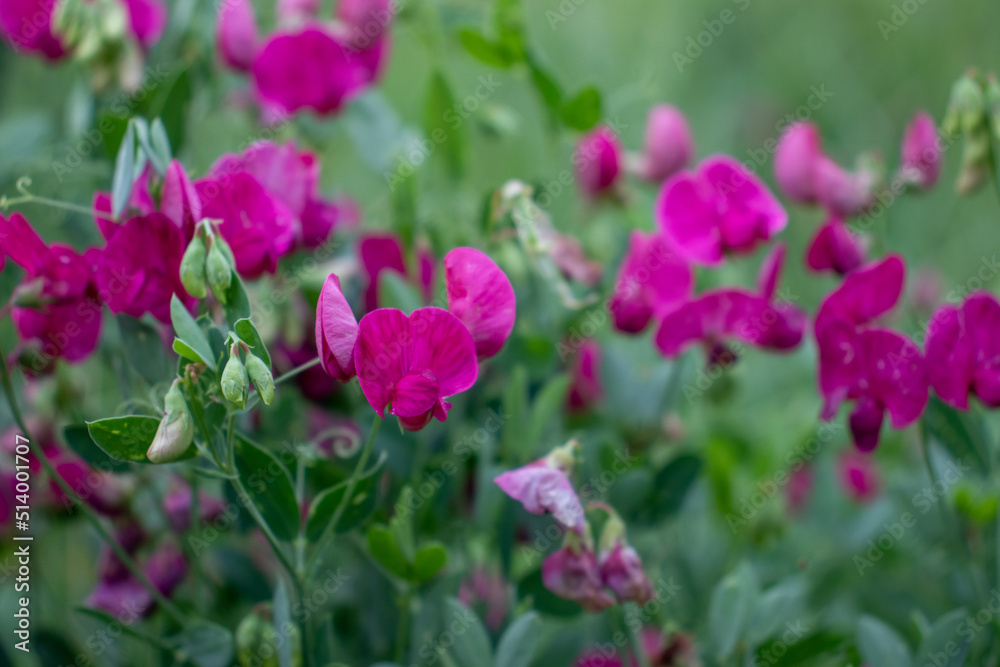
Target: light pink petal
481	296
795	162
668	144
843	193
542	489
336	331
441	344
381	355
921	154
148	18
236	33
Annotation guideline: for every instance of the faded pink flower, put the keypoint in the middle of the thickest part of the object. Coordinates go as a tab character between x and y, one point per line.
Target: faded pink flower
236	33
574	573
621	571
586	388
858	475
543	487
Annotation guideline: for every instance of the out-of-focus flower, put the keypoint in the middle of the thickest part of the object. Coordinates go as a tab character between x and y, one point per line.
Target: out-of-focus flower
573	573
668	145
543	487
835	248
719	315
124	598
799	489
177	507
568	255
963	351
27	24
378	253
488	589
166	567
621	571
880	369
236	33
598	162
58	301
481	296
720	208
105	492
652	281
586	388
139	270
858	475
920	162
411	364
336	331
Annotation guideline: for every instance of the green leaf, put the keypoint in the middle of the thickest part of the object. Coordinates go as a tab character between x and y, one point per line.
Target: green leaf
382	544
961	433
127	438
944	645
440	124
204	644
429	560
879	644
283	619
671	485
237	306
146	143
729	610
472	643
247	332
359	507
121	182
484	50
270	488
394	291
515	407
776	606
519	644
161	142
583	111
191	336
547	407
143	349
78	438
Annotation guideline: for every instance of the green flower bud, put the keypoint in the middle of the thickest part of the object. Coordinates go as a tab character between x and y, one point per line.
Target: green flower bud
227	252
261	377
193	268
235	383
218	271
966	107
176	430
258	641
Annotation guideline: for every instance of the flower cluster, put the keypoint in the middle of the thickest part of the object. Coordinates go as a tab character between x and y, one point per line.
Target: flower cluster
410	364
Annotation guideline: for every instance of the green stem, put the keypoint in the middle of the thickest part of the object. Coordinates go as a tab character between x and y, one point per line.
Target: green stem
328	532
405	619
169	607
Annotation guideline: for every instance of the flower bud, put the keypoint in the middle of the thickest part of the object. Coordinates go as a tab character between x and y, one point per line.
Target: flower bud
193	268
235	382
261	377
668	144
966	107
921	154
218	271
598	160
176	430
796	161
257	640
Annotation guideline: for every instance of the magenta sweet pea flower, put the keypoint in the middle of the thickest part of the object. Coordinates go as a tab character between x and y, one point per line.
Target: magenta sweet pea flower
721	208
586	388
843	193
481	296
236	33
336	331
723	314
668	145
598	162
652	281
543	487
67	318
799	151
258	227
148	19
835	248
139	270
179	200
378	253
621	571
920	163
573	573
411	364
963	351
27	25
866	294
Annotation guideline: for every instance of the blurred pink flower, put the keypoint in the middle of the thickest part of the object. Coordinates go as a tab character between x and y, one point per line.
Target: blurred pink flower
236	34
652	280
598	160
489	589
720	208
586	388
573	573
835	248
668	145
858	475
963	351
621	571
177	507
411	364
920	163
481	297
378	253
800	487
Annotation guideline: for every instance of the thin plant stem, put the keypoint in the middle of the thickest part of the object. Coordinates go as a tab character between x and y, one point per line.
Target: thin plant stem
405	618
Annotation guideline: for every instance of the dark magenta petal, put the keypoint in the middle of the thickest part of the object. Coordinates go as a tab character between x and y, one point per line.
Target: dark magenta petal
481	296
586	387
381	355
236	33
179	200
835	248
652	280
866	422
441	344
770	271
336	331
950	356
865	294
621	571
379	252
840	367
415	395
894	374
597	161
148	18
28	26
20	242
795	160
982	322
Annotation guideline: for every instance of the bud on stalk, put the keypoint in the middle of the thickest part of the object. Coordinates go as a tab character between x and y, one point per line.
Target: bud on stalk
218	271
193	268
235	383
176	430
261	377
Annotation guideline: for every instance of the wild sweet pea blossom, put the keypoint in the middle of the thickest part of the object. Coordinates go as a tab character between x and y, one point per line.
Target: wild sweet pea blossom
732	313
307	63
586	388
411	363
384	252
652	280
963	351
921	155
718	209
598	162
668	146
544	487
880	369
574	573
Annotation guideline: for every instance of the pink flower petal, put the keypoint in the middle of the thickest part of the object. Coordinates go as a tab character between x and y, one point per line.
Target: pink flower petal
441	344
651	280
835	248
336	331
236	33
950	356
381	355
865	294
795	162
481	296
378	253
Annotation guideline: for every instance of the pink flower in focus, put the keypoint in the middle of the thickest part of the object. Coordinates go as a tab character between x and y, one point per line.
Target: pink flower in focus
651	282
236	33
722	314
411	364
835	248
668	145
543	487
336	331
597	161
721	208
179	200
586	388
858	475
963	351
139	270
67	319
481	296
920	163
573	573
